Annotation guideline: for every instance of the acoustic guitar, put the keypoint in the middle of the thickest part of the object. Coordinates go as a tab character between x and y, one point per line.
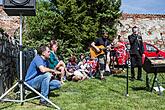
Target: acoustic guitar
94	53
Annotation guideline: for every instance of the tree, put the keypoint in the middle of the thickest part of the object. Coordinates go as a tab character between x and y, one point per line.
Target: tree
75	23
106	12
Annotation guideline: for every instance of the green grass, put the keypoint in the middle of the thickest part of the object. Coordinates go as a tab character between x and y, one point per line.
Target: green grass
95	94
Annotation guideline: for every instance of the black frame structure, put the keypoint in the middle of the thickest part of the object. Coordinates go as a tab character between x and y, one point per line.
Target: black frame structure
21	82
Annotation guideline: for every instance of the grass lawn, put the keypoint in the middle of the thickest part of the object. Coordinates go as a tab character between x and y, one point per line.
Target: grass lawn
95	94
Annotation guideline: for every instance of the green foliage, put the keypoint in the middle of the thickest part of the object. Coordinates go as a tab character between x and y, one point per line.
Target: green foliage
75	23
39	27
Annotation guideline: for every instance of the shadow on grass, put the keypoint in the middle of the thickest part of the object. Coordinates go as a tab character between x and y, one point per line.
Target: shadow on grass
7	106
120	75
115	91
70	90
51	94
48	105
139	88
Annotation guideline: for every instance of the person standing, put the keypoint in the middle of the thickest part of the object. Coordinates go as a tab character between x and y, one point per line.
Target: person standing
136	51
104	59
120	51
39	76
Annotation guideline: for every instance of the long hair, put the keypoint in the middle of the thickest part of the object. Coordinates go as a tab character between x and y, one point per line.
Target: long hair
52	42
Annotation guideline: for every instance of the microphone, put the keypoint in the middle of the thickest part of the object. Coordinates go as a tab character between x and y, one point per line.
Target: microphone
138	39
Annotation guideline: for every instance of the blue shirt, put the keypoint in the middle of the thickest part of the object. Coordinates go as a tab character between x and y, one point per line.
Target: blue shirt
33	69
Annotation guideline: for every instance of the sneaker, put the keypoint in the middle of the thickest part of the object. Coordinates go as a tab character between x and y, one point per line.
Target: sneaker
107	70
102	78
44	103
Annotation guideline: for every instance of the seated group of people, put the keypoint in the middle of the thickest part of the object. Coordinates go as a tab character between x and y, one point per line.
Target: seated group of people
82	69
47	73
42	72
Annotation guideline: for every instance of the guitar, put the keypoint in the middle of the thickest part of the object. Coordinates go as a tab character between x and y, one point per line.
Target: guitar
94	53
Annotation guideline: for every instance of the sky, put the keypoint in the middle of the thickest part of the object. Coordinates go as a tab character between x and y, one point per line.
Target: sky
141	6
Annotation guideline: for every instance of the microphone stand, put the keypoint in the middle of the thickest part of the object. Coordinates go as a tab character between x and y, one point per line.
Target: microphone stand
127	66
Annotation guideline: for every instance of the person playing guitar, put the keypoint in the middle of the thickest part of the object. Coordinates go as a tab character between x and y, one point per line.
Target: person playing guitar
100	49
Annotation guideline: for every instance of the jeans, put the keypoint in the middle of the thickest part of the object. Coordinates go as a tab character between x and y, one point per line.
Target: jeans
101	60
44	84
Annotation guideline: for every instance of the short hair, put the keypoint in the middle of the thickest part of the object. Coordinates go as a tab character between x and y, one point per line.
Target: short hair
105	32
134	28
119	36
52	42
41	49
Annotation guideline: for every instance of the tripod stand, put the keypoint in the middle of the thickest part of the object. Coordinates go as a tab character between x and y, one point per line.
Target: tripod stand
21	83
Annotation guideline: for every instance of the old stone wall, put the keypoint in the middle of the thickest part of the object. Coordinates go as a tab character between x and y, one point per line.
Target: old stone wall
9	52
8	23
10	63
150	27
8	58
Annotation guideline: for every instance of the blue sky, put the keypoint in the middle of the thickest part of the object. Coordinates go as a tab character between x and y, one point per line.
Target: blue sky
141	6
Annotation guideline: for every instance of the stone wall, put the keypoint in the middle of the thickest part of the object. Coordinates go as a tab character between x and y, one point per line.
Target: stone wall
8	58
9	52
8	23
10	63
150	27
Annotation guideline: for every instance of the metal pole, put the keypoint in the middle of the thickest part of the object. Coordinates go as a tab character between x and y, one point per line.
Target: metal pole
127	65
20	57
127	83
21	82
58	108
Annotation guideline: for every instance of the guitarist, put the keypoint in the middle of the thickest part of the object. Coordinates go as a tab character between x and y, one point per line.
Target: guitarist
104	59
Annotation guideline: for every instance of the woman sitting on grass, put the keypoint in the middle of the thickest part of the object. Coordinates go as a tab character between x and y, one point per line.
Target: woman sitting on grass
54	63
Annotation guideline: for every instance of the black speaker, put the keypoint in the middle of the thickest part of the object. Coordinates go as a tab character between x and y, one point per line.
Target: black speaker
17	7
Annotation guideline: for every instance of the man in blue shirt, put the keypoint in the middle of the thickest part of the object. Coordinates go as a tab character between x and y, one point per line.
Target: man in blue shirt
39	76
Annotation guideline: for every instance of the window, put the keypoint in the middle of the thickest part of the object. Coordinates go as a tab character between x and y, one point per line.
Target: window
150	48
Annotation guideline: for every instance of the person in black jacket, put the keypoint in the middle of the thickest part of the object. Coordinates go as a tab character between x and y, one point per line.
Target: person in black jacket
136	51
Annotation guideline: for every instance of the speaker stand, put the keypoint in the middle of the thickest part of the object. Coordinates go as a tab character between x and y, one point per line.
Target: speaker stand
21	83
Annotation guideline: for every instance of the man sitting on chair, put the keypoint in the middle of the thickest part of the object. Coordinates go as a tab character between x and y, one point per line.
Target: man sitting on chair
103	56
39	76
